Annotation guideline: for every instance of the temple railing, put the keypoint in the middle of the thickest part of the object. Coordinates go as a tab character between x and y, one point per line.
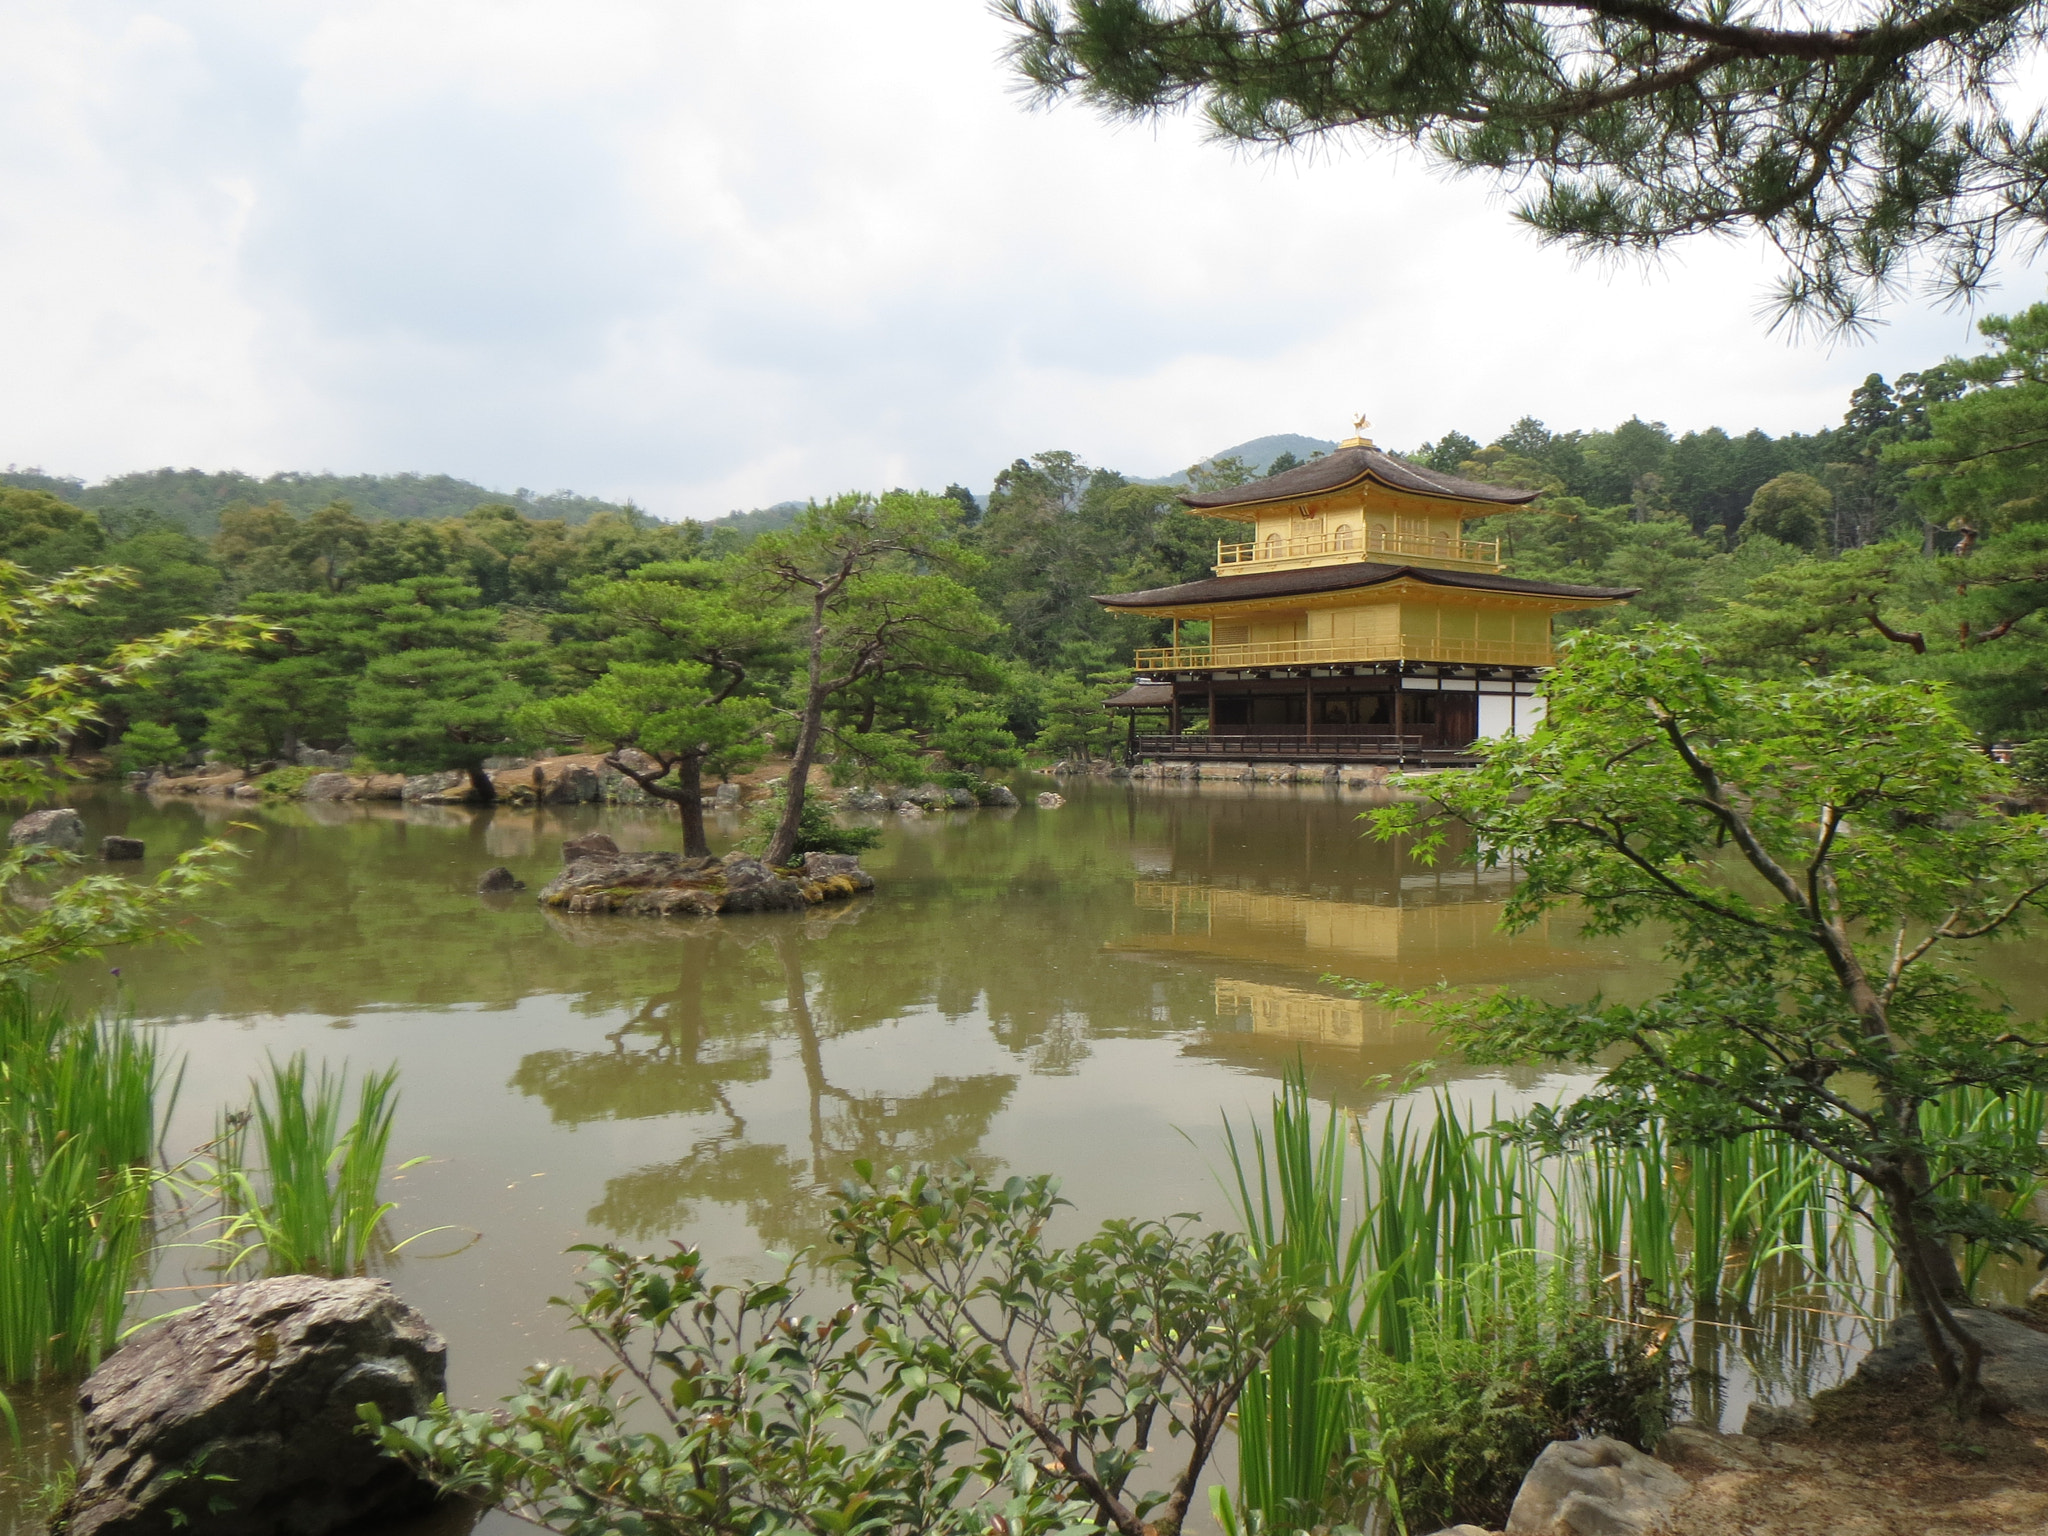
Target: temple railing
1294	653
1416	546
1333	744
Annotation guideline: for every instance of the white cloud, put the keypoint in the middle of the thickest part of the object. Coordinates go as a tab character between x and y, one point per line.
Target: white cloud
717	256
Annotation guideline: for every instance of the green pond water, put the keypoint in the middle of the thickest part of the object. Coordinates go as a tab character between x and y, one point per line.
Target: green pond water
1084	991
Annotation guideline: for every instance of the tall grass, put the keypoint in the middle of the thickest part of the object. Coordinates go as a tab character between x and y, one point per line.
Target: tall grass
1295	1415
1445	1229
314	1206
78	1129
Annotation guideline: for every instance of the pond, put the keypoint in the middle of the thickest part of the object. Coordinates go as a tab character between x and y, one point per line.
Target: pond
1085	992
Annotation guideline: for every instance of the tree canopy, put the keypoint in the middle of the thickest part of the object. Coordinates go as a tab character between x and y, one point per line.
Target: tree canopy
1859	142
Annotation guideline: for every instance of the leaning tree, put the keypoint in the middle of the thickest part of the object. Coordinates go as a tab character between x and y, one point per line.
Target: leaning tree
1818	854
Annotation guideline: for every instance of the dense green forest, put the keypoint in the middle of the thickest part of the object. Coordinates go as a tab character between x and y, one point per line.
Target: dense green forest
194	499
1909	541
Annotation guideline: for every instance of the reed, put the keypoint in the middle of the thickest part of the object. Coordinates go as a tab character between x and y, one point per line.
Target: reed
314	1206
78	1125
1295	1416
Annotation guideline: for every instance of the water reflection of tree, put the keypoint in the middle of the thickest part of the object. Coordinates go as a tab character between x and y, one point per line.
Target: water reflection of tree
683	1049
675	1055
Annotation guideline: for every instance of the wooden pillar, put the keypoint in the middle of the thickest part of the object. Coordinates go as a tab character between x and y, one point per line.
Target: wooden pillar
1212	706
1176	639
1308	709
1400	747
1173	712
1131	737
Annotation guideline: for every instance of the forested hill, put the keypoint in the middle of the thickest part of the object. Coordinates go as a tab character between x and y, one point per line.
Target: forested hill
194	499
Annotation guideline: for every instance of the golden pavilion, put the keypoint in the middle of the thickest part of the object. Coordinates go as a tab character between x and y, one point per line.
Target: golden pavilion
1357	624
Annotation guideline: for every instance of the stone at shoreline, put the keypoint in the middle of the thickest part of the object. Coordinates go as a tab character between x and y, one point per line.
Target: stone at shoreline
313	757
961	799
1596	1487
1049	801
591	845
910	812
925	797
1764	1420
114	849
329	786
498	879
663	884
2015	1370
450	788
727	794
999	795
858	799
249	1402
60	829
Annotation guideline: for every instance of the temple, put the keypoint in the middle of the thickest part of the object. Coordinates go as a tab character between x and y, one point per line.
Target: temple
1358	624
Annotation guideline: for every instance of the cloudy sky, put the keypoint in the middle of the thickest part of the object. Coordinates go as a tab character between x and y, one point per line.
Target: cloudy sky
716	256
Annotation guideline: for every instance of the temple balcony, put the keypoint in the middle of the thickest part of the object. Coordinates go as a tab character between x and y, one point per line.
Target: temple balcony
1317	653
1276	554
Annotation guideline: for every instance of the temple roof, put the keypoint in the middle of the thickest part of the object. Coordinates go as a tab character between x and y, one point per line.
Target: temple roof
1141	695
1338	578
1348	466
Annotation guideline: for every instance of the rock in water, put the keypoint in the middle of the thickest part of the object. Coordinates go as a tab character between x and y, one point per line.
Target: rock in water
48	829
1595	1488
821	868
591	845
1050	801
499	879
862	798
1000	795
113	849
669	885
239	1418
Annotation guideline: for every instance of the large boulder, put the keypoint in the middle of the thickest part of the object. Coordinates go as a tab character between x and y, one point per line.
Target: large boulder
498	879
861	798
114	849
665	884
60	829
1000	795
239	1418
2014	1373
329	786
839	872
1597	1487
591	845
926	797
450	788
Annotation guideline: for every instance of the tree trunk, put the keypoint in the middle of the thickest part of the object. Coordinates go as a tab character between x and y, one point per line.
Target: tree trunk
782	846
481	789
690	801
1929	1272
687	796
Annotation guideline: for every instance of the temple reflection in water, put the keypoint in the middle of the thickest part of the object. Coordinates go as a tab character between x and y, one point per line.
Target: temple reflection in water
1284	951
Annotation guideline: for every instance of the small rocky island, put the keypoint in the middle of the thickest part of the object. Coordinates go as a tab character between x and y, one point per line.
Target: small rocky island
597	877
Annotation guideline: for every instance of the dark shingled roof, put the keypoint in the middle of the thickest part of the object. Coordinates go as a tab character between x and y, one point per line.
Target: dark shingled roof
1340	578
1347	466
1141	696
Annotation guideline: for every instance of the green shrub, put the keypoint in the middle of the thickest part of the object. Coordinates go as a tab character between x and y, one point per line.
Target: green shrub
2030	763
146	745
1510	1357
287	782
816	832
